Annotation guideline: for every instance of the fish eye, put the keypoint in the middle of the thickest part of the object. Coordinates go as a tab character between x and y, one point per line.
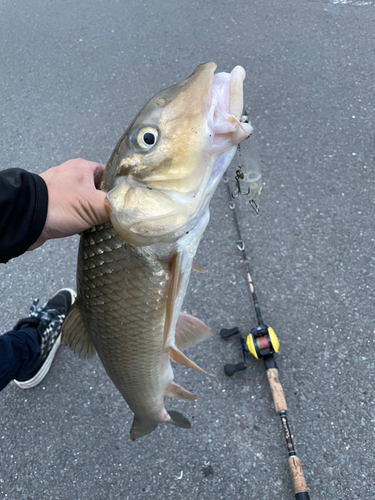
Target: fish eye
147	137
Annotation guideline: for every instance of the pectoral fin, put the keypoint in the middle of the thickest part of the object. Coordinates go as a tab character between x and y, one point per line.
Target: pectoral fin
174	270
75	335
190	331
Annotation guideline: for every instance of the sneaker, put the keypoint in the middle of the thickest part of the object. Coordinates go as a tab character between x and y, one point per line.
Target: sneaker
47	320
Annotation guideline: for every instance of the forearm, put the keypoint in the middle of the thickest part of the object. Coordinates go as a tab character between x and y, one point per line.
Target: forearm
23	211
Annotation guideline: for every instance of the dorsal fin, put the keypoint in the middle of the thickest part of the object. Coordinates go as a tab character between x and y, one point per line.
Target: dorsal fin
174	271
180	358
190	331
75	335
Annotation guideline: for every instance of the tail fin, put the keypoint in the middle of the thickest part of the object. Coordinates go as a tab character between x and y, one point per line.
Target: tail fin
141	428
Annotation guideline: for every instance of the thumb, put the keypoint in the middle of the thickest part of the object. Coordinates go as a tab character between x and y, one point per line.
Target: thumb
98	203
98	174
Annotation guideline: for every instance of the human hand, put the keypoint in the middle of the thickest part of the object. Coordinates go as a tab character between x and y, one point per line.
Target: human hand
74	202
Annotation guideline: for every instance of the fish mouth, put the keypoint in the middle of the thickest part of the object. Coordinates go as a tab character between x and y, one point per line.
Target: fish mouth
157	206
225	110
226	106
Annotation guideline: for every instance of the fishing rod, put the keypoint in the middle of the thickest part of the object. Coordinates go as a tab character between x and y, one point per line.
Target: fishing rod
262	342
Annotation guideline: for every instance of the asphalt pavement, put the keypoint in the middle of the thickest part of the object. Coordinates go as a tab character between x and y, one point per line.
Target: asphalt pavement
73	75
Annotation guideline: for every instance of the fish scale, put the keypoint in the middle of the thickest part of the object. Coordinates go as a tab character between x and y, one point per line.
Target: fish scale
125	329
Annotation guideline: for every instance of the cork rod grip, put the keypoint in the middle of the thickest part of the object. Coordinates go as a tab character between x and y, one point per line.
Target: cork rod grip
298	478
277	390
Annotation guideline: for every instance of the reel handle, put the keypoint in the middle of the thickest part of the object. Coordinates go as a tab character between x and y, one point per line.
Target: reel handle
232	369
225	333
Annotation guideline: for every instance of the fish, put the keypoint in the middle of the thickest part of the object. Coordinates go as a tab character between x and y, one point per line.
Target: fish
133	273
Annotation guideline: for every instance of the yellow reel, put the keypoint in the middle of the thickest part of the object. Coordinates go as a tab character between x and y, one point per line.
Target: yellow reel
260	339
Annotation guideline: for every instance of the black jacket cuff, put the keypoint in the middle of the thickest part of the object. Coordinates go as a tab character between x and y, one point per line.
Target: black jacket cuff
23	211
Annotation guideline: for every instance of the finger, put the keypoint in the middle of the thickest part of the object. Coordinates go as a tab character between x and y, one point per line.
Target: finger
98	174
98	202
96	170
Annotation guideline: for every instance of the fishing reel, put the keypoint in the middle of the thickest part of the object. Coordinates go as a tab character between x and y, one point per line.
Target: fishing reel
261	342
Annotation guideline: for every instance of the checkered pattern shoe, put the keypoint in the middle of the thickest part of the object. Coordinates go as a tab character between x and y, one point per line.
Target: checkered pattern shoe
48	321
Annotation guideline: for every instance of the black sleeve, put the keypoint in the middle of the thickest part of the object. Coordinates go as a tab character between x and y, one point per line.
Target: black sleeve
23	211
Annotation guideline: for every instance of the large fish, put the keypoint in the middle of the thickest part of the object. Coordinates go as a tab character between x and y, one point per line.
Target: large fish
133	273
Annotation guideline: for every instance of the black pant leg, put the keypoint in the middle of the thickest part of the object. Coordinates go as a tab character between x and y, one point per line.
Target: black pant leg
19	353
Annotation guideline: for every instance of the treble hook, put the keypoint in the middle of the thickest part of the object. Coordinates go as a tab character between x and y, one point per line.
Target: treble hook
254	205
239	175
240	245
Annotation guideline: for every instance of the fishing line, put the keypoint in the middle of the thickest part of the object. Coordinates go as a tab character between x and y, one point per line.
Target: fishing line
262	342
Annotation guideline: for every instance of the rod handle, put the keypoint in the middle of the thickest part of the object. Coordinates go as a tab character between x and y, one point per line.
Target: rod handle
225	333
232	369
299	483
276	389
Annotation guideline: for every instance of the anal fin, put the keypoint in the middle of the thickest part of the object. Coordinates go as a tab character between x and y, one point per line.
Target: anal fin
190	331
176	391
180	358
75	335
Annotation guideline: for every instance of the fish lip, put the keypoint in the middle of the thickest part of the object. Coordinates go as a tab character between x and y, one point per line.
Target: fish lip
225	108
238	75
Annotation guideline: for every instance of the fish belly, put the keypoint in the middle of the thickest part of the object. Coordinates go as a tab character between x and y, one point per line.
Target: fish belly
122	293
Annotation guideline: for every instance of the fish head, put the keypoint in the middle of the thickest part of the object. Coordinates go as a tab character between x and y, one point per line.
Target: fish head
165	168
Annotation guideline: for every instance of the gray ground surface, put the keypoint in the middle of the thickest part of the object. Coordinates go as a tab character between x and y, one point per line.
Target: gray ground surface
73	75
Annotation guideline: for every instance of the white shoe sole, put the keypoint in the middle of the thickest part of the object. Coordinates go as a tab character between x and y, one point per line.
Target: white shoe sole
44	369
